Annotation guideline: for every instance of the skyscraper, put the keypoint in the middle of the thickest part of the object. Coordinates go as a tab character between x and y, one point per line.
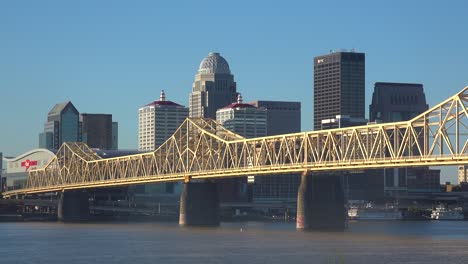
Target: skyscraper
65	124
339	86
62	126
248	121
115	135
97	130
462	174
244	119
213	88
282	118
393	102
157	121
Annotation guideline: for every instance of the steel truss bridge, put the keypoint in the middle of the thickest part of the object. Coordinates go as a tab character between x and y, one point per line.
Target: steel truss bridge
203	149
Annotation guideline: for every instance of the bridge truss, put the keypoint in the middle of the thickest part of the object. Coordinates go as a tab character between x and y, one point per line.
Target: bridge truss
203	149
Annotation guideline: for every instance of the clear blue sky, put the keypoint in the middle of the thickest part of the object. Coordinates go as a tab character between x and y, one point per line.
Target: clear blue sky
115	56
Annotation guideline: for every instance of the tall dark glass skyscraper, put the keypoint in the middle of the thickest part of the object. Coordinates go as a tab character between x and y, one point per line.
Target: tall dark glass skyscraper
62	126
339	86
96	130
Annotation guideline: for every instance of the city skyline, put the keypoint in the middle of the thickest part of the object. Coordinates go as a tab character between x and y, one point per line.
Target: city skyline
86	52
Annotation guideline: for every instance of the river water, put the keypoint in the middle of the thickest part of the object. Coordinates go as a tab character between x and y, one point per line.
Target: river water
240	242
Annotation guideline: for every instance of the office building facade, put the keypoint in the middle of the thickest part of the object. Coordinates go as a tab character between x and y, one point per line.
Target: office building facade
248	121
62	125
393	102
96	130
339	86
157	121
342	121
243	119
66	124
463	174
115	135
213	88
282	118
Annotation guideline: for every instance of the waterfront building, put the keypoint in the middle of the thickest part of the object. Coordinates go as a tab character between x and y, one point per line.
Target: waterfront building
339	86
342	121
2	178
463	174
282	118
62	125
17	168
213	87
157	121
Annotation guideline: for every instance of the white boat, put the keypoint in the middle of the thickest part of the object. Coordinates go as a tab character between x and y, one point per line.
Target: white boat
442	213
369	212
379	214
352	213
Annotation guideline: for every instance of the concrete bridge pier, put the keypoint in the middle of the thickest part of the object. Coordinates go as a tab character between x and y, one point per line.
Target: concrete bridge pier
320	203
73	206
199	204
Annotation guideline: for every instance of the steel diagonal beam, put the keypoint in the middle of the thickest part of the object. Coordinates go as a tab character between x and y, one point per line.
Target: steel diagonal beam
388	144
361	145
416	141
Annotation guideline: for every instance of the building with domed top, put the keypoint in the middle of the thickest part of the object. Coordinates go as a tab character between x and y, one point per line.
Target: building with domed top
213	88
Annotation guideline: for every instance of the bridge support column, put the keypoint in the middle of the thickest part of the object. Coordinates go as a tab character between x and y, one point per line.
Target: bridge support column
73	206
320	203
199	204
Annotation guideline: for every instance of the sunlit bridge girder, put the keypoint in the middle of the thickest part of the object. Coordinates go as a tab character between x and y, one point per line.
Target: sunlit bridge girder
203	149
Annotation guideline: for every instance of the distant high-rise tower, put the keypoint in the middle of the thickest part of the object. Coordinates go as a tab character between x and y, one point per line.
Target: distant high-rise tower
282	118
115	135
393	102
339	86
63	125
248	121
213	88
462	174
97	130
158	121
244	119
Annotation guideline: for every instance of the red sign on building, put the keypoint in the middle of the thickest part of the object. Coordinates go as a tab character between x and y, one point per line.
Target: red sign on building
28	163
